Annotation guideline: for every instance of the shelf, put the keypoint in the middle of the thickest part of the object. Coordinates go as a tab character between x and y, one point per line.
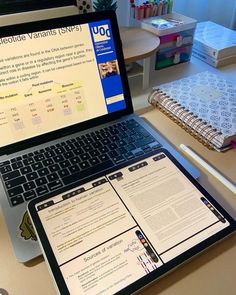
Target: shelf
135	71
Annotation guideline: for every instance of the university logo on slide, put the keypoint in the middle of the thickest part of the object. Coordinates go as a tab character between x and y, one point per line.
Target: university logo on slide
101	33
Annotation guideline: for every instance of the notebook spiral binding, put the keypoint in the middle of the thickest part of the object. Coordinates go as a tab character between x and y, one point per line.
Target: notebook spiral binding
195	126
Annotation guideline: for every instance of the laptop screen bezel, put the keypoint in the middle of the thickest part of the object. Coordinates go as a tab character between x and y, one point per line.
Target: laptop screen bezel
63	22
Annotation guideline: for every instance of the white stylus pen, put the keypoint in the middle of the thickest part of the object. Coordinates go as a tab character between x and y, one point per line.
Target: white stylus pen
209	168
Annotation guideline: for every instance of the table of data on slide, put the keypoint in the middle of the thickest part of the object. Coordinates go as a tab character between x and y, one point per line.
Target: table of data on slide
63	101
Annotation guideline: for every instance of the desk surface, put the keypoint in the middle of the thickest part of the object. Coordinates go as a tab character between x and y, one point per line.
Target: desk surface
212	272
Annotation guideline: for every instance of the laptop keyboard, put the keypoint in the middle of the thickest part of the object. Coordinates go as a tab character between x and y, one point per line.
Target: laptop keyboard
45	170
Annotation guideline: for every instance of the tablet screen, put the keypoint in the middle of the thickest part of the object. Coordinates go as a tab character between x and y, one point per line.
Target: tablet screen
121	230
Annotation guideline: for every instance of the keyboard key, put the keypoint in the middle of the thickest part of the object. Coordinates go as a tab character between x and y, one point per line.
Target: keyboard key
68	155
49	154
43	172
113	132
32	154
52	177
146	148
130	139
15	191
72	140
55	185
121	143
88	140
4	163
103	157
138	152
26	170
11	175
137	137
78	151
85	156
51	147
54	168
94	153
15	182
69	147
19	158
28	161
144	141
39	158
112	146
17	200
64	164
42	190
29	186
17	165
88	148
5	169
59	150
114	138
130	147
37	166
74	168
94	161
156	146
105	134
113	154
118	159
90	171
84	165
58	158
75	160
121	151
63	173
48	162
40	181
96	137
96	144
103	149
79	144
129	155
105	141
32	176
29	195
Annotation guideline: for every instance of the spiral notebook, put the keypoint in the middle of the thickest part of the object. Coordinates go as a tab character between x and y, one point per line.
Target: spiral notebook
203	104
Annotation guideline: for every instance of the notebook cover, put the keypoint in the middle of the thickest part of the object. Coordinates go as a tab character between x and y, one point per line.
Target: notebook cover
208	96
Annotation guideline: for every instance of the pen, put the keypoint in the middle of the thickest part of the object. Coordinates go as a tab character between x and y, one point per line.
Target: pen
209	168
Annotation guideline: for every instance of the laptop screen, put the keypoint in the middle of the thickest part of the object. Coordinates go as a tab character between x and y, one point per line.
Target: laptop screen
57	77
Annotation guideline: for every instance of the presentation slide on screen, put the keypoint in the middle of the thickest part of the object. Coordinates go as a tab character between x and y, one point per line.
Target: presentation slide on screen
112	231
53	74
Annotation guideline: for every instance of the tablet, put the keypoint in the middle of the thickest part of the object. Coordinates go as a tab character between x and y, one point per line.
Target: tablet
126	228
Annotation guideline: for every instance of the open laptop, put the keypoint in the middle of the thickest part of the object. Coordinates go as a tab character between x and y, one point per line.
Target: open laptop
65	113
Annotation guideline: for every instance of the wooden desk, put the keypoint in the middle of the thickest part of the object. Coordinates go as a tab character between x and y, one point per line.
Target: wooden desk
210	273
139	44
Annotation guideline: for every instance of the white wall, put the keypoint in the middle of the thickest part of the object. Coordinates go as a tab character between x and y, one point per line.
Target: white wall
123	12
220	11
